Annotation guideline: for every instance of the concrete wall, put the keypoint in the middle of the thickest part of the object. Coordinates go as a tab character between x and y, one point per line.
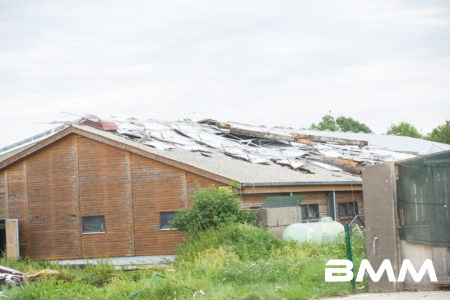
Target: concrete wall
417	254
379	192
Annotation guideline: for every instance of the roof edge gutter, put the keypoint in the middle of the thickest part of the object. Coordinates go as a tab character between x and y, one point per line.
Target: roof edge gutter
302	183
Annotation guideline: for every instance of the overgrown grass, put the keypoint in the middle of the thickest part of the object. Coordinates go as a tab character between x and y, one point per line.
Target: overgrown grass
233	262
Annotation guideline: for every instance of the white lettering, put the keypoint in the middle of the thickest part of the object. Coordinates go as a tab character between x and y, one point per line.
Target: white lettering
347	270
346	273
408	266
384	267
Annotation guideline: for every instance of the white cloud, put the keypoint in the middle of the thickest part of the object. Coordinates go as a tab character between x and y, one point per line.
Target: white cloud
278	63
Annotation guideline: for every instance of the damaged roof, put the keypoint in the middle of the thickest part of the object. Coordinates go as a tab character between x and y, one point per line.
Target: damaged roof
248	154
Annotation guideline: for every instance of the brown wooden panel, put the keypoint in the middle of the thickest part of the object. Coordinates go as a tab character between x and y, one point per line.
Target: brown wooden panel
12	238
53	201
195	182
156	188
105	189
350	197
18	203
317	198
3	203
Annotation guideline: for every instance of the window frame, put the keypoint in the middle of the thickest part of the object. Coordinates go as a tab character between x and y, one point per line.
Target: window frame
307	207
86	218
166	226
348	210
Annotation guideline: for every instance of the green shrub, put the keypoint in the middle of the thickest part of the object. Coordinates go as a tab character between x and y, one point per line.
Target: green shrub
212	207
98	275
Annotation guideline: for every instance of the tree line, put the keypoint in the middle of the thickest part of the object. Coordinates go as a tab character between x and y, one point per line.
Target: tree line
440	133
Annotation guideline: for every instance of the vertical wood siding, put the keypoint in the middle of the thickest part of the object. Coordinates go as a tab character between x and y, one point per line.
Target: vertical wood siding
105	189
3	202
18	202
156	188
53	201
195	181
50	191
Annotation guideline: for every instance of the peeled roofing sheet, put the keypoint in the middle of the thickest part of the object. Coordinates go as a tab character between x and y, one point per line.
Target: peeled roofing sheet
196	137
257	145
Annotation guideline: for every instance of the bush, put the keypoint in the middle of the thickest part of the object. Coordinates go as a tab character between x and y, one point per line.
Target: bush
212	207
99	275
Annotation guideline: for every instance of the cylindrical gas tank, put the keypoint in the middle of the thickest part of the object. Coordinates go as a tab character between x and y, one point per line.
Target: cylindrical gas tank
323	231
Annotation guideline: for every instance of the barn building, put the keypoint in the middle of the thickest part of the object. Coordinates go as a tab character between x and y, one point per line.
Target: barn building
84	192
93	188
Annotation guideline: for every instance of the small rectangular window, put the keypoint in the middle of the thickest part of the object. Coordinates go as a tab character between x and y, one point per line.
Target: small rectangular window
347	210
310	212
93	224
164	220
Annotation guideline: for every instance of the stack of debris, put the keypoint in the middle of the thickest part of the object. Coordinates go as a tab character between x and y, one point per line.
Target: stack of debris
11	276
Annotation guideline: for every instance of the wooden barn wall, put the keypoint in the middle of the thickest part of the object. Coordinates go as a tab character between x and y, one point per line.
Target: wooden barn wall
3	202
105	189
53	201
320	198
50	191
195	181
350	197
156	188
18	202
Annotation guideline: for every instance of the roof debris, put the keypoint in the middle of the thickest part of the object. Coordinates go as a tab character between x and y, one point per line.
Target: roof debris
299	150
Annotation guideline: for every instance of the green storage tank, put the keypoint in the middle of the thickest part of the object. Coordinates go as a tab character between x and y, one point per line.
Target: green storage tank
324	231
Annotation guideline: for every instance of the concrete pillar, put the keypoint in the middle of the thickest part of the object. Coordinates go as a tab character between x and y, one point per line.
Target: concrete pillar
380	215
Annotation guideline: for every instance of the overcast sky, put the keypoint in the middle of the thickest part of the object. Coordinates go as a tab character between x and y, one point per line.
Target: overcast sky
258	62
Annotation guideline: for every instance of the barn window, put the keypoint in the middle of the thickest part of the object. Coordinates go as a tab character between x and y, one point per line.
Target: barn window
348	209
310	212
164	220
94	224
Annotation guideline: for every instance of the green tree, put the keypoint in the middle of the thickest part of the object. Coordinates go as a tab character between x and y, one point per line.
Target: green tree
327	123
348	124
341	123
441	133
212	207
404	129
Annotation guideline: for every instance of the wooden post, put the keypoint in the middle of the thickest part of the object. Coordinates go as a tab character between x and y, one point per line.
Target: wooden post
12	238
